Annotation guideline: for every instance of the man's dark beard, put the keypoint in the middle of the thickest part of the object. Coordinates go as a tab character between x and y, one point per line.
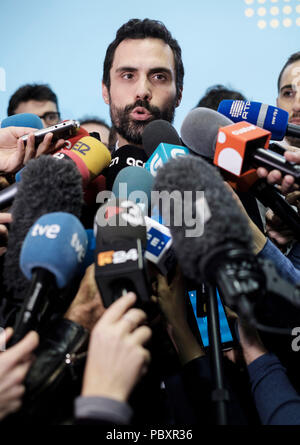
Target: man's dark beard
132	130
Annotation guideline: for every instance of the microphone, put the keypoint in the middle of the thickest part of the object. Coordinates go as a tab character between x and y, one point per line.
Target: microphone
220	253
159	131
270	118
134	184
161	142
71	141
125	156
90	156
239	148
51	254
200	132
46	186
159	249
119	259
29	120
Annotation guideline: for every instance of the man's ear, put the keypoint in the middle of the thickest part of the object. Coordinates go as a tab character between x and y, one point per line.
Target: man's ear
105	93
179	98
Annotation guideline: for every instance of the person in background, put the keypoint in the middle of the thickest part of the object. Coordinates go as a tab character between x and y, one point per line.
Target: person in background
95	124
215	94
38	99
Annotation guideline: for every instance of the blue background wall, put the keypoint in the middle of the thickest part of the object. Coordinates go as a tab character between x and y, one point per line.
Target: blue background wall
240	43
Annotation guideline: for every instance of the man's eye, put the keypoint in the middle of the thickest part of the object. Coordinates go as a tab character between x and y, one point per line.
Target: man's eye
127	76
288	93
159	77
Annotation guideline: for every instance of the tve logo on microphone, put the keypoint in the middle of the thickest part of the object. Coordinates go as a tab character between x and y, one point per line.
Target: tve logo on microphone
162	154
2	79
49	231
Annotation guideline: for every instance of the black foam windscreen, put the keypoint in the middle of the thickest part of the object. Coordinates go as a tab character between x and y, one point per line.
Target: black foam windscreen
200	128
47	185
125	156
223	220
157	132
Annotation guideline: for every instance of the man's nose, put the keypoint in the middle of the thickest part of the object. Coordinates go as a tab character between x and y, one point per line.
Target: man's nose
143	89
296	104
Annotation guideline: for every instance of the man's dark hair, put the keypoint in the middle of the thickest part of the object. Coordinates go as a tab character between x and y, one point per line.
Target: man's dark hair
293	58
28	92
142	29
216	93
94	120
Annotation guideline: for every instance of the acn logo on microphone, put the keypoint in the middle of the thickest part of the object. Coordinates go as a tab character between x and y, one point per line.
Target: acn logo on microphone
117	257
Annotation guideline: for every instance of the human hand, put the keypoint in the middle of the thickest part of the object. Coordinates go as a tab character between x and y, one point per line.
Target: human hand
14	365
277	231
170	298
250	342
13	154
287	182
117	358
5	218
87	306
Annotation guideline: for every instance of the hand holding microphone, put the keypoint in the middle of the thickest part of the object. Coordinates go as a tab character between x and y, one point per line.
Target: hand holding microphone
14	365
117	358
287	182
13	154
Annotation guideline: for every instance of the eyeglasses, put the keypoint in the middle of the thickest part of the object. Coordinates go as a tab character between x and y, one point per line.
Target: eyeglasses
51	117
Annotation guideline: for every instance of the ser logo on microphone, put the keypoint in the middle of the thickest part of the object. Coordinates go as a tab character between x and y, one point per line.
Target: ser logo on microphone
81	147
117	257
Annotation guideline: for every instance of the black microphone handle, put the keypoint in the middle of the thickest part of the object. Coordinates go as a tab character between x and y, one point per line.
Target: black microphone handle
7	195
270	197
293	130
34	305
271	160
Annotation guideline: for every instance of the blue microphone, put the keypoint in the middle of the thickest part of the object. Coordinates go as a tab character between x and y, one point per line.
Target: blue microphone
57	243
29	120
134	184
90	252
51	255
161	142
270	118
162	154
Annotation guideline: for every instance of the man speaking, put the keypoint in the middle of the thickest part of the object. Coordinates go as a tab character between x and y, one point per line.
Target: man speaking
142	78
